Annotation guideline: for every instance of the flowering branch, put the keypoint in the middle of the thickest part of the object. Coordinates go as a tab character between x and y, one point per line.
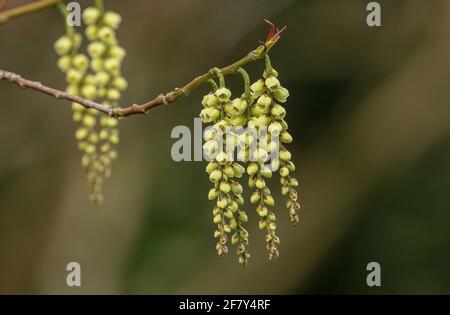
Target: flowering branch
163	99
26	9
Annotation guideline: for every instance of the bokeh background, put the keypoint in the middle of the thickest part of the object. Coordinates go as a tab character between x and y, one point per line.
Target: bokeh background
369	111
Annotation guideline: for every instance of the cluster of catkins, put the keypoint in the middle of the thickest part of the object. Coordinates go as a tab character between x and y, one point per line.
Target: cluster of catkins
97	77
260	112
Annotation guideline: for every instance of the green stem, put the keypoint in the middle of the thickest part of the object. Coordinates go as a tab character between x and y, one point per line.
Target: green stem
219	74
246	78
213	84
269	67
63	10
99	4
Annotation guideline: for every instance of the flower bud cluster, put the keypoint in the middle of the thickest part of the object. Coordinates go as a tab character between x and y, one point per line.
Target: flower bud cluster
224	175
94	76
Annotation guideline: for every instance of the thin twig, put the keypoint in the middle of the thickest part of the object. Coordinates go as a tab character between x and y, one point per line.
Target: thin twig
26	9
163	99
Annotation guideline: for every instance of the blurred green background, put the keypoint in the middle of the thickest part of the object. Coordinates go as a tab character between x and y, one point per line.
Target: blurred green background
369	112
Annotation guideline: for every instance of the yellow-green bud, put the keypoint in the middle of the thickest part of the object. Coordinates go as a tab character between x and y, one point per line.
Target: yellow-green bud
77	107
285	155
120	83
106	34
272	83
80	62
217	219
264	101
117	52
64	63
89	91
210	100
281	95
223	94
268	200
72	89
96	49
262	224
97	64
211	167
236	187
258	87
77	116
63	45
275	128
262	211
284	172
213	194
255	197
272	226
114	138
233	206
91	15
102	78
238	169
243	216
234	239
266	172
260	183
113	94
81	133
226	229
252	169
278	111
73	76
222	202
112	65
89	121
286	137
217	233
225	187
228	170
238	120
284	190
228	214
112	19
90	149
215	176
91	32
293	182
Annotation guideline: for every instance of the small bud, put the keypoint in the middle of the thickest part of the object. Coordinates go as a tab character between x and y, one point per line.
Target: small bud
114	138
89	121
285	155
81	134
117	52
96	49
63	45
113	94
211	167
91	15
272	226
215	176
228	214
266	172
243	216
233	206
89	91
268	200
91	32
238	170
255	197
272	83
252	169
293	182
262	224
286	137
221	202
217	233
278	111
264	101
120	83
262	211
225	187
260	183
97	64
284	172
284	190
213	194
112	65
102	78
217	219
236	188
281	95
258	87
223	94
228	170
106	34
112	19
73	76
80	62
210	100
64	63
